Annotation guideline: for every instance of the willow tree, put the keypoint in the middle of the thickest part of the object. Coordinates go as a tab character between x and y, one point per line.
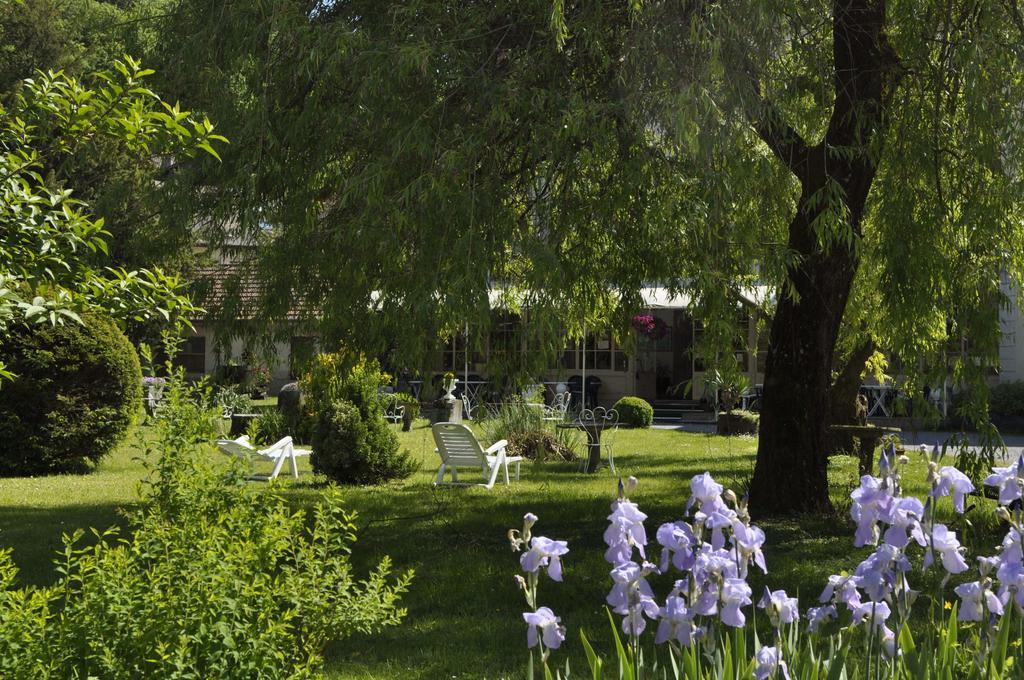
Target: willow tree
398	159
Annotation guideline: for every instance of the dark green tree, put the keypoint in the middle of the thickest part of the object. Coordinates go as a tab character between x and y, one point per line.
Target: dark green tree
398	159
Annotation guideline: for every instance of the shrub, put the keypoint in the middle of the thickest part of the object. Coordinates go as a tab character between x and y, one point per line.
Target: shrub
77	389
218	580
634	412
352	443
539	446
270	426
1007	399
351	447
738	422
522	424
412	409
230	401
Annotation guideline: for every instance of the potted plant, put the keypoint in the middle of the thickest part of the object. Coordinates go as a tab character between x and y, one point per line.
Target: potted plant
257	380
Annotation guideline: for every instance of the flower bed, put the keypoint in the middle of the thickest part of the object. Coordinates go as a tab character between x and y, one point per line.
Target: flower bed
702	623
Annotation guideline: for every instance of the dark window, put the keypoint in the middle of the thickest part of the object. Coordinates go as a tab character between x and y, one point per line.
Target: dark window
193	355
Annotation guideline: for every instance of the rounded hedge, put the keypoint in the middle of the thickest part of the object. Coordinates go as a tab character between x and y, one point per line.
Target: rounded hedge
77	388
634	412
350	448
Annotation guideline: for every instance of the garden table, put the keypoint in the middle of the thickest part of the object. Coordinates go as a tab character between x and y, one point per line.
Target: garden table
868	436
593	429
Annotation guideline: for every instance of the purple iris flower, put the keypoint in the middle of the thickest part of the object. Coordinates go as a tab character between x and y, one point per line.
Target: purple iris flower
819	616
904	517
675	622
747	542
632	597
768	662
1006	479
843	588
871	503
544	552
735	595
951	480
946	544
703	490
974	597
625	531
547	624
781	608
875	614
719	519
678	543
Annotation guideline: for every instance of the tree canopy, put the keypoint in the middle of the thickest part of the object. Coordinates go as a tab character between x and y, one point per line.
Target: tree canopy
397	160
52	264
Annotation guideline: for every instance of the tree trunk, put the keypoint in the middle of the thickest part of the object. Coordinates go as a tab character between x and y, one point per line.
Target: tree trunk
791	474
843	396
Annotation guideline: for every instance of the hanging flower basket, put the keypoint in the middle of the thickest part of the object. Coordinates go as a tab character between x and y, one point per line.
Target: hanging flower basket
650	326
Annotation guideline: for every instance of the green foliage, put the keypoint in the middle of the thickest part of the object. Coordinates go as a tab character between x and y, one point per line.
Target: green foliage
218	579
352	443
634	412
230	400
411	404
1007	399
77	390
522	424
55	256
270	426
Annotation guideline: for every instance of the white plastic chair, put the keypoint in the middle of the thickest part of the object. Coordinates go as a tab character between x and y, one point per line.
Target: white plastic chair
458	447
278	453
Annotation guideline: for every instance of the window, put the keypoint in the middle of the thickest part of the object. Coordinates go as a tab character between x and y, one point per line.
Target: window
600	352
193	355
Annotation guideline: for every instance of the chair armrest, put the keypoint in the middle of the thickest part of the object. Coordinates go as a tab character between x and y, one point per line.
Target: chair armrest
496	446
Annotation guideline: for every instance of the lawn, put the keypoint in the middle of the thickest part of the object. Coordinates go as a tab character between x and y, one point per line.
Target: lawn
464	609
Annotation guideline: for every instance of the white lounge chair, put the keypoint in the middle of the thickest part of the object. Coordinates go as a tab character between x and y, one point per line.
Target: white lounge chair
278	453
458	447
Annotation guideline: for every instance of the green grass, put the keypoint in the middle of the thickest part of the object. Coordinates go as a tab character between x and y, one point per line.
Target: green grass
464	609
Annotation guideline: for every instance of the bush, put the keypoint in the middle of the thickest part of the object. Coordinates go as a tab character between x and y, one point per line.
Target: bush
1007	399
738	422
412	409
270	426
218	580
539	446
78	387
522	424
352	443
634	412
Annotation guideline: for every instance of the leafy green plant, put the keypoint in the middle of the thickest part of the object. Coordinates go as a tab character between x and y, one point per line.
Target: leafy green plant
634	412
217	579
230	400
52	246
270	426
412	409
352	443
77	390
522	424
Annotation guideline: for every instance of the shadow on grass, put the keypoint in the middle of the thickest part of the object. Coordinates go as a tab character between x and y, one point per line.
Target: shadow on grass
37	534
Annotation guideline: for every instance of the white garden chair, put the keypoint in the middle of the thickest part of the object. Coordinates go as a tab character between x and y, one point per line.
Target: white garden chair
559	407
393	410
458	447
277	453
605	424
